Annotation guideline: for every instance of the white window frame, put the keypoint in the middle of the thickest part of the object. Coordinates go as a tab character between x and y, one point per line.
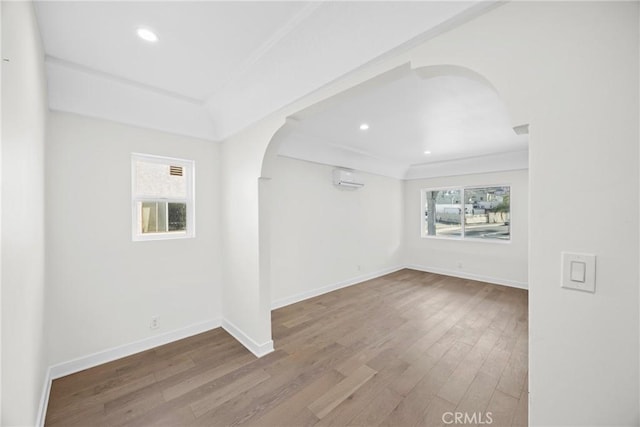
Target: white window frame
136	220
462	237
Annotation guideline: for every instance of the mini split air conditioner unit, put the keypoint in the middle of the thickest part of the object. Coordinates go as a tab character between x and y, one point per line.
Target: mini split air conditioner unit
346	178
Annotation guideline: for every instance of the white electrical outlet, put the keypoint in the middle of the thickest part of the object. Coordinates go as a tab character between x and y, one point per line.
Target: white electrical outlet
154	323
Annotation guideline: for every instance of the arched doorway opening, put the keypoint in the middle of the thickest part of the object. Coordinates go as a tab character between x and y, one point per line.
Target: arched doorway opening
463	94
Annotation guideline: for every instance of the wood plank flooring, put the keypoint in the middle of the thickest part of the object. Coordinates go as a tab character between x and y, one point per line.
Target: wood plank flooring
406	349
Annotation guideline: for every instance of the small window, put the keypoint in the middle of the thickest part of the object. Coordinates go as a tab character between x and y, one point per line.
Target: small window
162	197
467	213
442	212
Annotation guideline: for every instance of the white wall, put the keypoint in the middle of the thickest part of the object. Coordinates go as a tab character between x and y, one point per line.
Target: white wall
103	288
323	236
569	69
1	102
495	262
246	293
572	69
584	150
24	115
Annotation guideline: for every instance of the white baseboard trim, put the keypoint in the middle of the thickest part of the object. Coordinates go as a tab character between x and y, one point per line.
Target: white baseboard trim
258	350
282	302
111	354
44	399
76	365
471	276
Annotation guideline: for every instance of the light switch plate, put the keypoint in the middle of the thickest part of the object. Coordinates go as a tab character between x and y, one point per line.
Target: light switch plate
579	271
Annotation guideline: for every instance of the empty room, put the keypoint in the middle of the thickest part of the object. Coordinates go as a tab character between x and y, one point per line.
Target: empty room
320	213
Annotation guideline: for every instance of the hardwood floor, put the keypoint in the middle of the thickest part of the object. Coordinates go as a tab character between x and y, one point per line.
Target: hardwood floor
406	349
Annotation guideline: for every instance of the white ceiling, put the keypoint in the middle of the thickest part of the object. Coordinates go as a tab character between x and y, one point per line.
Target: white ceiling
451	116
218	66
202	44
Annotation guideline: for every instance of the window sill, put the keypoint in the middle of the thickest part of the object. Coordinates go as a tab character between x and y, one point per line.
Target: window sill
162	236
469	239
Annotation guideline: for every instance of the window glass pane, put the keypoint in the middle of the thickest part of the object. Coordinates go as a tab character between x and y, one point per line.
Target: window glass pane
177	216
443	213
162	190
160	180
487	213
153	217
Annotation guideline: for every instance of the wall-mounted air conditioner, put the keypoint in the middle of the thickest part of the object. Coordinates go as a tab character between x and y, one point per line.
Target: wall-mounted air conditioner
346	178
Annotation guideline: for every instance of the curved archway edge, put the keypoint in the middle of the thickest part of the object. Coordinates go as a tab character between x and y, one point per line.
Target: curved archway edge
555	73
265	208
424	72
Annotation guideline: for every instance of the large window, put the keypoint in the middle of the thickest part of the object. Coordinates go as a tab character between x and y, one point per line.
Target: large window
162	197
467	213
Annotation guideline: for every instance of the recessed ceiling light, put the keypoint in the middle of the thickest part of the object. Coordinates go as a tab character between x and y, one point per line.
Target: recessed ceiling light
147	35
427	152
364	126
